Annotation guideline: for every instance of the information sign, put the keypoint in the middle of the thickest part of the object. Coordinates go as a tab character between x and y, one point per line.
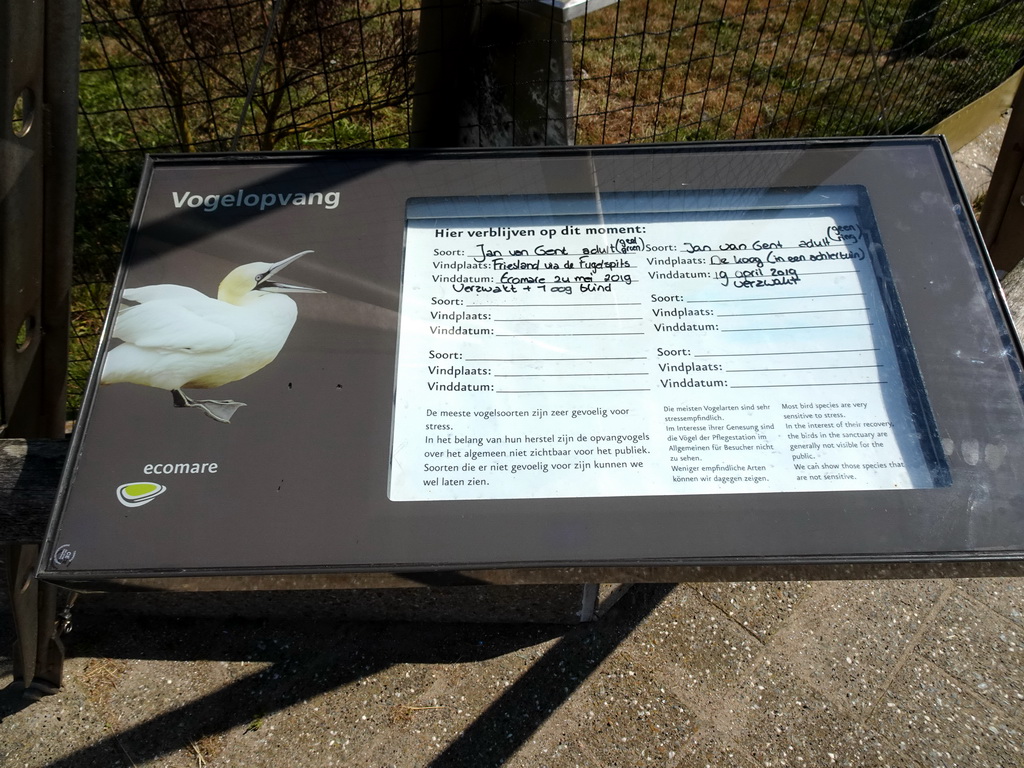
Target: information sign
654	344
568	359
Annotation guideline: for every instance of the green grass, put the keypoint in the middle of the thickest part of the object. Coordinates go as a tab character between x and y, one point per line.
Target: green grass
723	69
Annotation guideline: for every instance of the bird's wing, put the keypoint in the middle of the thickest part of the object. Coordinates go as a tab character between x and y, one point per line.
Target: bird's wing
167	324
177	293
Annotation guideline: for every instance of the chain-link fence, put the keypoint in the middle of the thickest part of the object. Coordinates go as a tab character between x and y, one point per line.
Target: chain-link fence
200	75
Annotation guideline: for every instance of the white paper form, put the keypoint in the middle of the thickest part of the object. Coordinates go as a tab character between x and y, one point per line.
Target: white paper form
653	344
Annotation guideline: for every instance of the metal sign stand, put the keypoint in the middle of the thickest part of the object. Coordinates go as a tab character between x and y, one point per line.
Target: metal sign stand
499	74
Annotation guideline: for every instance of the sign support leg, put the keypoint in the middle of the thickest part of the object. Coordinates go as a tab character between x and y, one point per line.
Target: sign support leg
38	650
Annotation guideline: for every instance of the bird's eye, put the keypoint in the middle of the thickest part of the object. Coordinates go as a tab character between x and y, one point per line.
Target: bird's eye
261	278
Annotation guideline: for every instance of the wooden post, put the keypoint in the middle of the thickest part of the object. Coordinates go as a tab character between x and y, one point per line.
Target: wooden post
38	145
495	73
1002	216
913	36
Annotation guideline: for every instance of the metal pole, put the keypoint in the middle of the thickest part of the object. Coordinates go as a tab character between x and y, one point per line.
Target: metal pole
912	37
495	73
498	73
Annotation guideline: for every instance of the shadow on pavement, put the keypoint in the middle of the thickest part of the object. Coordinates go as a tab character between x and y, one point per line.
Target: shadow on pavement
312	656
510	721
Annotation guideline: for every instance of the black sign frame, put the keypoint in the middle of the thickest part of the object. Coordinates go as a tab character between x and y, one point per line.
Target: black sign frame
251	517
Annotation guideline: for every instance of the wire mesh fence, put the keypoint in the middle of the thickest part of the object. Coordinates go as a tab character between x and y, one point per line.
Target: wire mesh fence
219	75
684	71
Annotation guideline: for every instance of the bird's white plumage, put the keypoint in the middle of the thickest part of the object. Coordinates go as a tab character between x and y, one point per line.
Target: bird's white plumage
176	337
196	325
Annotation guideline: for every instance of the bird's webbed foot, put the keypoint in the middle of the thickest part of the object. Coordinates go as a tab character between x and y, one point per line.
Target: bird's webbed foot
218	410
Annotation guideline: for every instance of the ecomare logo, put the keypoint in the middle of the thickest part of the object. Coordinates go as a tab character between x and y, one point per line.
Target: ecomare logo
181	468
137	494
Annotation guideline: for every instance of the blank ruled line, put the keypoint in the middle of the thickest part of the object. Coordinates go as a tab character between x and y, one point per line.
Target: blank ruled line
562	319
796	327
588	304
796	312
560	391
809	384
524	335
807	352
546	359
772	298
816	368
554	375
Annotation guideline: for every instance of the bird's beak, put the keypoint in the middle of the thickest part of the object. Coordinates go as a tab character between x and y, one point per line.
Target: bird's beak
267	285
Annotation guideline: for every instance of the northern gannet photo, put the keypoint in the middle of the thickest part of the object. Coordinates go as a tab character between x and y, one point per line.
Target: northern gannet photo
176	337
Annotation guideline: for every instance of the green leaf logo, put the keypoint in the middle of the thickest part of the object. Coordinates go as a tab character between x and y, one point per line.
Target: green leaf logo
137	494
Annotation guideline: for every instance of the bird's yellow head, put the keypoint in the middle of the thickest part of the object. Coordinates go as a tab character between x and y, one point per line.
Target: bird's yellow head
243	282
